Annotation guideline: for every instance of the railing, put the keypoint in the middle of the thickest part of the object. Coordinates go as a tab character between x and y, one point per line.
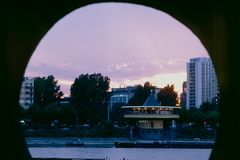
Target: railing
152	112
145	115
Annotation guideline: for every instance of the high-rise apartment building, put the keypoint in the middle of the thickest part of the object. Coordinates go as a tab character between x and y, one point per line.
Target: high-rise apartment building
26	97
202	85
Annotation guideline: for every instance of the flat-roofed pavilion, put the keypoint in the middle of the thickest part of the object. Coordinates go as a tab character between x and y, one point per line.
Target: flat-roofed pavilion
151	117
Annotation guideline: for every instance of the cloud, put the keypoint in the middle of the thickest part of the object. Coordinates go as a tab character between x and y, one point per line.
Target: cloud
121	41
117	72
121	66
65	82
137	70
64	64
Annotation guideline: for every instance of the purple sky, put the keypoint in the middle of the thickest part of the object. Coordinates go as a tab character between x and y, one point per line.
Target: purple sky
129	43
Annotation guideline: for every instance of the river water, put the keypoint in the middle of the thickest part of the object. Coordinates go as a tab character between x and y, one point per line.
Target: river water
120	153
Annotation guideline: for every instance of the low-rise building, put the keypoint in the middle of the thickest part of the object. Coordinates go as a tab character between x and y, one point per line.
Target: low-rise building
121	96
152	118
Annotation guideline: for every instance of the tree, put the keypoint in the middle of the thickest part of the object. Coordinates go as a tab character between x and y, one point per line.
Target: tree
50	113
117	113
184	115
68	114
89	95
34	112
167	96
211	112
206	107
141	93
46	90
64	114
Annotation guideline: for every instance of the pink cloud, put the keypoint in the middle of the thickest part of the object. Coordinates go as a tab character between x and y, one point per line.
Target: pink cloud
122	41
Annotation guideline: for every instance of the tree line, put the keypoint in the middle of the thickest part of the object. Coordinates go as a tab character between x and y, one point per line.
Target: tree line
89	96
88	101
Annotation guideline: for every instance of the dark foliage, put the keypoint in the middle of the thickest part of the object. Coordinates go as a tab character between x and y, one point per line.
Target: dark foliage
167	96
46	90
141	93
89	95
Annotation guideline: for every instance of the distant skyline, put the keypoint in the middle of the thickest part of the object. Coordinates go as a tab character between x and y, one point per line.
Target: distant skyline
129	43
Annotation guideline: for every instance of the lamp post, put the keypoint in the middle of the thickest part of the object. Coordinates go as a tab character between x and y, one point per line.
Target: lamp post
76	119
108	112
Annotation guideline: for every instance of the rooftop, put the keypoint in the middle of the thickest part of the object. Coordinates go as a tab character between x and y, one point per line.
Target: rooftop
151	102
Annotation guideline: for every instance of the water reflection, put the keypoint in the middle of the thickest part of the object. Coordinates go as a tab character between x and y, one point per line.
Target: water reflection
120	153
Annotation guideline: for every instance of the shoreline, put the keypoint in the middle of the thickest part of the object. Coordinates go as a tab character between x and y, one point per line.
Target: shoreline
117	143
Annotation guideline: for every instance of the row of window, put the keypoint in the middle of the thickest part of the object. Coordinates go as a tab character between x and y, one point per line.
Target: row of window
118	99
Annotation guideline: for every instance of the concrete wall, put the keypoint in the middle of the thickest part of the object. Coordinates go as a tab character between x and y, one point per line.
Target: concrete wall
150	124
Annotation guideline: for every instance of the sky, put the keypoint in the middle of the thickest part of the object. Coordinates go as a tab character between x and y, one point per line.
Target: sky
129	43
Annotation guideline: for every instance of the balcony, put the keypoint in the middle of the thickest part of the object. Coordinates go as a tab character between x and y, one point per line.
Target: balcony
151	116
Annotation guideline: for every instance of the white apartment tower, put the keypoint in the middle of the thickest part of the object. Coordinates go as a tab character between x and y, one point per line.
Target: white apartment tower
202	85
26	97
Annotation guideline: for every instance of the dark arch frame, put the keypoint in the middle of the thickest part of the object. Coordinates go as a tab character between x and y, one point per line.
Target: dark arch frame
216	24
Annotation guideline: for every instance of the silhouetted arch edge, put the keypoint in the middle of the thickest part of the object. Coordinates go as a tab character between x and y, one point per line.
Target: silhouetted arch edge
214	24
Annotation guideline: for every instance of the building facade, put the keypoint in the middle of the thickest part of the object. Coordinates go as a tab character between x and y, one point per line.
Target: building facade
183	96
202	85
26	97
121	96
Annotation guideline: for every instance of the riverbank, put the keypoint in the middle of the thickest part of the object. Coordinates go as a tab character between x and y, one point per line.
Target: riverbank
169	144
63	142
66	159
117	142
